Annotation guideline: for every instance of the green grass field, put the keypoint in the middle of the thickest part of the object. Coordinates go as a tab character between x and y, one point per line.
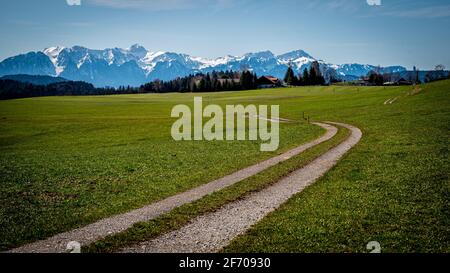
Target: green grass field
68	161
393	187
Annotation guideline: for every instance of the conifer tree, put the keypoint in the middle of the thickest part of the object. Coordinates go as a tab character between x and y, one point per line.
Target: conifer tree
290	78
305	78
312	76
254	81
208	84
202	85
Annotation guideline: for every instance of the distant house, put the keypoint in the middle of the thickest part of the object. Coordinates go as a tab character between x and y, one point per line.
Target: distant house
402	81
364	81
268	82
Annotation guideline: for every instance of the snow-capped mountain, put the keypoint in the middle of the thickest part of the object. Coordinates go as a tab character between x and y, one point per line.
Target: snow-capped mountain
33	63
359	70
136	65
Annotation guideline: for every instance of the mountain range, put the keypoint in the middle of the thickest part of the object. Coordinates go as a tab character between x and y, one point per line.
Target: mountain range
136	65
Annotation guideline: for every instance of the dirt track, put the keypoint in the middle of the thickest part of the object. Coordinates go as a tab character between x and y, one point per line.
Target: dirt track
119	223
213	231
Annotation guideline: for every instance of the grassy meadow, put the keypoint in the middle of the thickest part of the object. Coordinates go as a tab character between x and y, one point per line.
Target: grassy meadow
68	161
393	187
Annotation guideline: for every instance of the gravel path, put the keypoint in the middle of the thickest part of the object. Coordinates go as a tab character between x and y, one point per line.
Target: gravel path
119	223
213	231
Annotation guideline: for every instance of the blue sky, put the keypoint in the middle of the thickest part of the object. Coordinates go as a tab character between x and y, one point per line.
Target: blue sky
339	31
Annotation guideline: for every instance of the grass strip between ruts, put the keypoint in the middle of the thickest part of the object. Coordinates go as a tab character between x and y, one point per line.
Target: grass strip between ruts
182	215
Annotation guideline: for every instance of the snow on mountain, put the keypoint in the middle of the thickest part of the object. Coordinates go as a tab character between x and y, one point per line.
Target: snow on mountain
147	63
294	55
298	59
53	53
359	70
32	63
207	63
136	65
138	51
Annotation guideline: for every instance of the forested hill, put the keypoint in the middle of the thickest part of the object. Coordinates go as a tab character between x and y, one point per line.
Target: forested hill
11	89
34	79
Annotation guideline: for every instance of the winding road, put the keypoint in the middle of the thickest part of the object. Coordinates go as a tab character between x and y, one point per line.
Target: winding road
212	231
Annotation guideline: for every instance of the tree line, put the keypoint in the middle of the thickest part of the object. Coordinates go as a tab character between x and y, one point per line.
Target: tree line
210	82
408	77
11	89
311	76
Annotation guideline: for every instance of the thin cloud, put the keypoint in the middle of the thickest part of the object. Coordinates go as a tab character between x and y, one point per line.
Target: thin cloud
79	24
23	22
158	5
423	12
401	8
342	6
